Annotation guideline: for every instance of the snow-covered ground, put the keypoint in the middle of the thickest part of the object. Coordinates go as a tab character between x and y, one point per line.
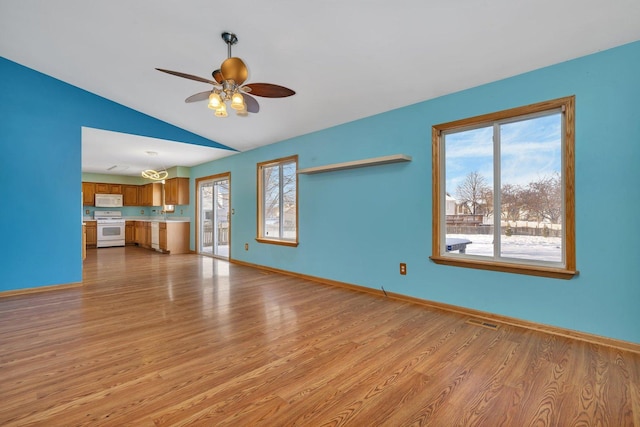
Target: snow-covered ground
521	247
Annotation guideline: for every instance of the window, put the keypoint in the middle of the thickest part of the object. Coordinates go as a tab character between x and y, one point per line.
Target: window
503	191
278	201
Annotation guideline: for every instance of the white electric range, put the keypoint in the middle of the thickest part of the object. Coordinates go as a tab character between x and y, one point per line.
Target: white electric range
111	228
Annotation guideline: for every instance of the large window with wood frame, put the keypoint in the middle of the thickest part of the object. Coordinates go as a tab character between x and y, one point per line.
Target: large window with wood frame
278	201
503	191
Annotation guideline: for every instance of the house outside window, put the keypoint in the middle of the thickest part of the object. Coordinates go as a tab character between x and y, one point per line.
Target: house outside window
278	201
503	191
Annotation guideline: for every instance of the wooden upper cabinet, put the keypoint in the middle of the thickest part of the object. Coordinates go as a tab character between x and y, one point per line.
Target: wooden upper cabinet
130	195
88	193
104	188
176	191
150	194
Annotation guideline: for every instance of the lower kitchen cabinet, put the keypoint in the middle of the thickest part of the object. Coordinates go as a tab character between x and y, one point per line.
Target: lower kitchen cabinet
142	234
174	237
92	233
130	232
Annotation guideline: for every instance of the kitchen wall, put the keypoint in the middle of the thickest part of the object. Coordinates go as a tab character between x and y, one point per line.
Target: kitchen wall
175	171
137	211
356	226
40	168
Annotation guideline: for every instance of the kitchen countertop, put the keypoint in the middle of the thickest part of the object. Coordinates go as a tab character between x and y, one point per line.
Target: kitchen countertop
149	219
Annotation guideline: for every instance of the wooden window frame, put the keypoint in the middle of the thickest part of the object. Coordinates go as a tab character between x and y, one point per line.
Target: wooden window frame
260	192
567	104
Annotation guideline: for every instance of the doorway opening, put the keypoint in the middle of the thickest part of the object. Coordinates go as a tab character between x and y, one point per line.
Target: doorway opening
214	216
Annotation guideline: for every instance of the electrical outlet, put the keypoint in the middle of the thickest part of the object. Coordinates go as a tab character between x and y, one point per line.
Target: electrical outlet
246	246
403	268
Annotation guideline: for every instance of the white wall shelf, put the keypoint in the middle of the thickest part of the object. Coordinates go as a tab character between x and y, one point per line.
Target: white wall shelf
394	158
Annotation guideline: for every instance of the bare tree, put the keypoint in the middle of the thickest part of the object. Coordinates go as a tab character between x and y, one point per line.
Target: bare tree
511	200
543	199
272	189
473	192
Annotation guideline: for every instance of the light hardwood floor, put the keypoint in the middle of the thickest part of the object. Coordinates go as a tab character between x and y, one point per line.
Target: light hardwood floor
157	339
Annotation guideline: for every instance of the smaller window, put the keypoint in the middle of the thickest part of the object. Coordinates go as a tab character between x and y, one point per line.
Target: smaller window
278	201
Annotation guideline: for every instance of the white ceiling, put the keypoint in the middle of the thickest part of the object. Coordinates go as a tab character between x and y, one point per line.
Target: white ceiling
116	153
346	59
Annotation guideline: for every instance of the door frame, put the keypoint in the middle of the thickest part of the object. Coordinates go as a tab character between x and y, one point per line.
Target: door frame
199	221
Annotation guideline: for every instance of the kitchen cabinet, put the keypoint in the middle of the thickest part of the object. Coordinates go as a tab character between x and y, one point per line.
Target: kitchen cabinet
92	233
129	232
84	242
176	191
142	234
163	236
130	195
147	234
104	188
88	193
174	237
150	194
134	195
138	230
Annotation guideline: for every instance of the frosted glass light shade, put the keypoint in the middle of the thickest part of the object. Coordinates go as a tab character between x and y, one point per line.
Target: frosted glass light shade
214	101
237	101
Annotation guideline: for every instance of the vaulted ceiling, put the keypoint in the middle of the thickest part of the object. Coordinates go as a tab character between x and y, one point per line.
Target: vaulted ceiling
345	59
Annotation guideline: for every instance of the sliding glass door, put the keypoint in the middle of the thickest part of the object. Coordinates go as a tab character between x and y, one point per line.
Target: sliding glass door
214	216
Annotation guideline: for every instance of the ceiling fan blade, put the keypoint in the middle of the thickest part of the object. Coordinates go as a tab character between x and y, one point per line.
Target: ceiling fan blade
217	76
269	90
201	96
234	69
187	76
251	103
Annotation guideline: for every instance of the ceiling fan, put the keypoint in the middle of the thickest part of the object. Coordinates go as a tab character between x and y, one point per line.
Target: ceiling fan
228	85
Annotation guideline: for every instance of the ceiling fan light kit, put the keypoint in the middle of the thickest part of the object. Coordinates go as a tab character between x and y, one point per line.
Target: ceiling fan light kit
228	86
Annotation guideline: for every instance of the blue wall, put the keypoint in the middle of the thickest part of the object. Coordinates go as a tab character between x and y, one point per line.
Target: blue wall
40	171
356	226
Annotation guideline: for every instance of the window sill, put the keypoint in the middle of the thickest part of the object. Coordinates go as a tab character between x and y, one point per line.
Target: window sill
277	242
556	273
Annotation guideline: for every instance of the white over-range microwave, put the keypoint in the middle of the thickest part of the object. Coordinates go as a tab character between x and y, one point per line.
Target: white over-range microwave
108	200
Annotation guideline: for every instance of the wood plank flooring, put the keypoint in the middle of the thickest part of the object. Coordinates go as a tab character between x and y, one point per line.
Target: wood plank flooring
172	340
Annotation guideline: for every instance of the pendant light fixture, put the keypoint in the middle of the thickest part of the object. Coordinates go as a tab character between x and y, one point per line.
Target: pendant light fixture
152	174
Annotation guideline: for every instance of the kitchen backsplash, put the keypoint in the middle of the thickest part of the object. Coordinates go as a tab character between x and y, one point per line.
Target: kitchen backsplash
138	211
